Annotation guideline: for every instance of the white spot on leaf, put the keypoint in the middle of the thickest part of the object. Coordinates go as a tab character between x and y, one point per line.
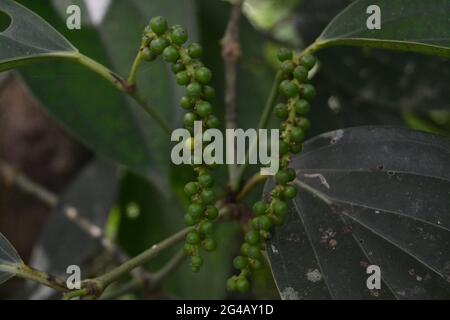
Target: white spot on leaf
289	294
314	275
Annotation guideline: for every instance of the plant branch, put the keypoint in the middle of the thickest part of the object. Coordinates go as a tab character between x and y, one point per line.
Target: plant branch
152	112
124	86
153	281
231	52
25	272
122	270
250	185
132	78
263	122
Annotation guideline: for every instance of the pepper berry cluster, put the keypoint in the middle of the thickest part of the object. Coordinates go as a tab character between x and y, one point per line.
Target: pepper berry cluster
160	40
297	93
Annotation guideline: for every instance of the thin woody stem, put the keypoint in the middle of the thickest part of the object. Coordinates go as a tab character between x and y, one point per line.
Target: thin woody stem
124	86
250	185
122	270
231	53
152	283
28	273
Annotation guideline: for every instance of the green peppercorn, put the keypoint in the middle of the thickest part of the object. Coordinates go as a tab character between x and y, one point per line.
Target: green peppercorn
211	213
196	210
254	252
281	111
206	180
297	134
302	107
264	223
209	244
193	238
290	192
189	220
256	264
288	88
209	93
242	285
204	109
308	61
147	55
287	67
282	177
203	75
189	119
240	262
296	148
284	54
178	67
191	188
304	123
179	36
308	92
252	237
170	54
158	25
194	90
183	78
280	208
186	103
195	50
208	196
278	220
206	227
231	284
260	208
291	173
158	45
189	249
196	261
212	122
244	249
283	147
301	74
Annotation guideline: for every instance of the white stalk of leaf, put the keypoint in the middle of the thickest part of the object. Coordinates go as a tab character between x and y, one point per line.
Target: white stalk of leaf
10	261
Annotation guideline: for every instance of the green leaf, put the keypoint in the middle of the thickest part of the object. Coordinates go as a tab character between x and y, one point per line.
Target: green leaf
9	259
368	196
29	38
407	25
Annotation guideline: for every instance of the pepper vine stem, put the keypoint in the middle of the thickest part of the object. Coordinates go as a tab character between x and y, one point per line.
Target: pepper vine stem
128	88
25	272
132	78
231	52
122	270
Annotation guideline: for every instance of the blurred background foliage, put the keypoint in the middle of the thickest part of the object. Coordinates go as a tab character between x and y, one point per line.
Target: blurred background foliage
144	205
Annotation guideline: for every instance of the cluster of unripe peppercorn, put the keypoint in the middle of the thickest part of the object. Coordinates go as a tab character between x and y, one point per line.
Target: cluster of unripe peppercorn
297	93
160	40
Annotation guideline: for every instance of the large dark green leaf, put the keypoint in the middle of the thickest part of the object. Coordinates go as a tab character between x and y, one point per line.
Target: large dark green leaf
408	25
368	195
29	38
